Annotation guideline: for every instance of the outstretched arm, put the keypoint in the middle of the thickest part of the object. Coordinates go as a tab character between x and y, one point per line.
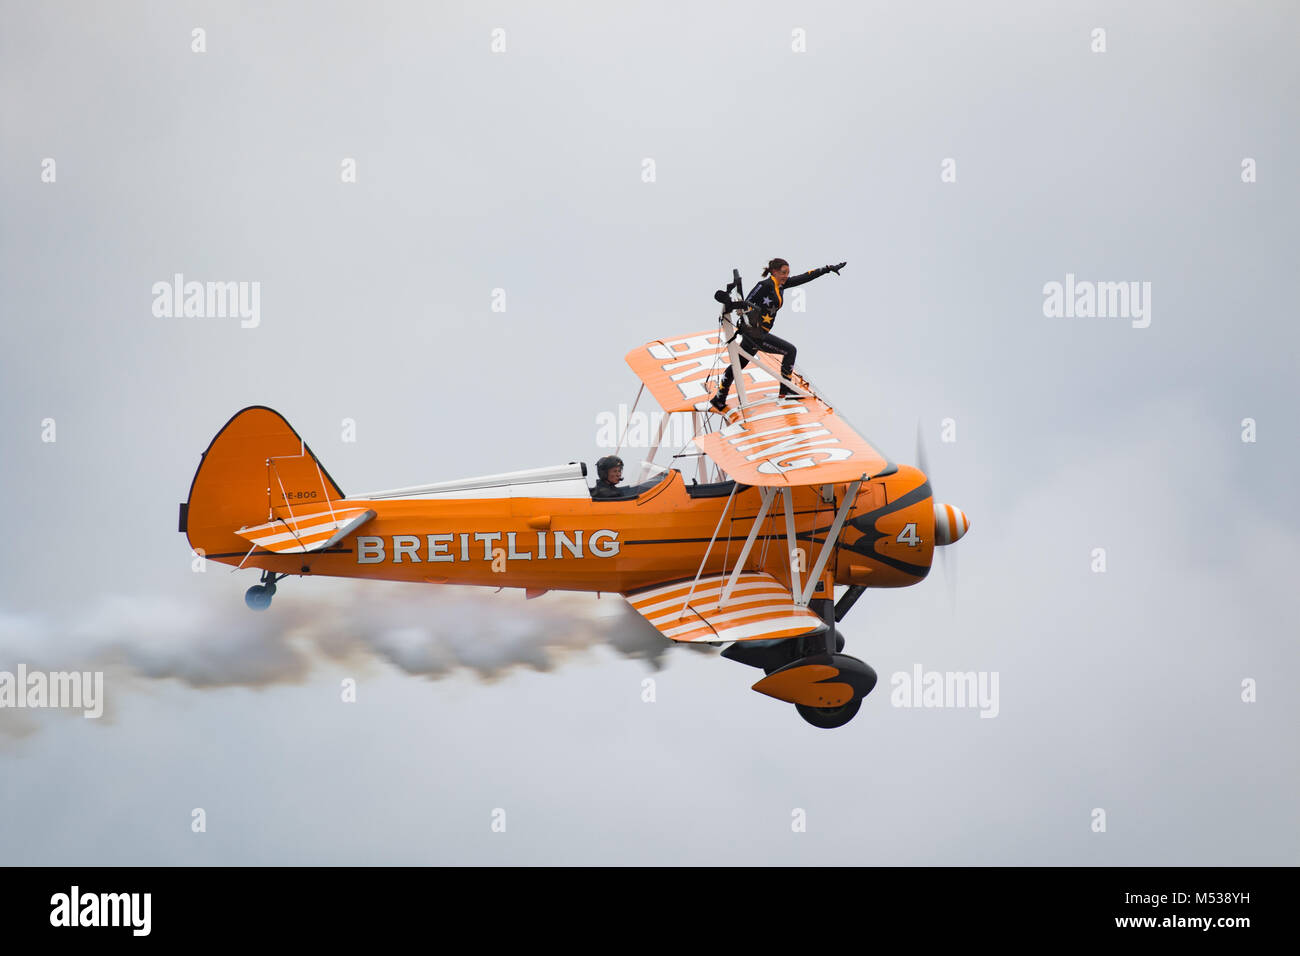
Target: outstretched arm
813	274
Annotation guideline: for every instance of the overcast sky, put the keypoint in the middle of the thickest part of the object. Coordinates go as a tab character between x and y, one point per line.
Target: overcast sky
523	170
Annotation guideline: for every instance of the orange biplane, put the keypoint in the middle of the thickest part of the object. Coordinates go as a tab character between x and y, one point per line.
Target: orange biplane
788	501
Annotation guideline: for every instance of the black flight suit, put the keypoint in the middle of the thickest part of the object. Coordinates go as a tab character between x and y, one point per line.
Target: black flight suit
756	329
606	489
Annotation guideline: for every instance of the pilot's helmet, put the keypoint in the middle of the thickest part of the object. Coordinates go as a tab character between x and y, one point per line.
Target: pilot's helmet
605	464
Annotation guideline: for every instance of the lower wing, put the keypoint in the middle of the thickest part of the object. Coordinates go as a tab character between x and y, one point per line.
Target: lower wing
759	607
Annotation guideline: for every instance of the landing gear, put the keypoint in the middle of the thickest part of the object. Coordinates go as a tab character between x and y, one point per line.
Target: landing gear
258	597
771	656
812	672
859	674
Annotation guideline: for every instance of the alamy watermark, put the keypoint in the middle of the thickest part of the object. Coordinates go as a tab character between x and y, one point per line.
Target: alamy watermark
77	908
76	690
639	429
208	300
945	689
1085	299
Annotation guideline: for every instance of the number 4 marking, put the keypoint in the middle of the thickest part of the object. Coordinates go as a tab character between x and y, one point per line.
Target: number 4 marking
908	535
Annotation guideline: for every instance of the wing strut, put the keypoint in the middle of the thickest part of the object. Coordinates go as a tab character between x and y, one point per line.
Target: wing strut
700	467
721	518
768	494
629	418
654	449
733	355
795	586
734	351
829	544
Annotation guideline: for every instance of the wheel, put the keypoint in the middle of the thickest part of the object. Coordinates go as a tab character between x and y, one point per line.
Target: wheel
830	717
258	597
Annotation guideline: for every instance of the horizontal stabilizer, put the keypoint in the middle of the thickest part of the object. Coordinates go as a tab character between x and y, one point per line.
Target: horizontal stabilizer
299	534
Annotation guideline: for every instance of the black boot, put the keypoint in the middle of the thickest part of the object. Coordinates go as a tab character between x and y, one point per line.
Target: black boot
719	401
786	376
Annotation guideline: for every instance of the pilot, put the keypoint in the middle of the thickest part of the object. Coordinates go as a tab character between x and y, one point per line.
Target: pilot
609	471
756	325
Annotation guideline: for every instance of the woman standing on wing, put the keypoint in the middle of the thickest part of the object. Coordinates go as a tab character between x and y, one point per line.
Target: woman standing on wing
756	326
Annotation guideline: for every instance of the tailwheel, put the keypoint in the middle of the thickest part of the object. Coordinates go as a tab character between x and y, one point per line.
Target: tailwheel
830	717
258	597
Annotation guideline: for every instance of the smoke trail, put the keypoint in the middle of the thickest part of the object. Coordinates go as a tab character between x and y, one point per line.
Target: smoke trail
427	631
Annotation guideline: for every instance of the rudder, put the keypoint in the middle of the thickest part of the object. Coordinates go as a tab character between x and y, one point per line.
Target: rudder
256	469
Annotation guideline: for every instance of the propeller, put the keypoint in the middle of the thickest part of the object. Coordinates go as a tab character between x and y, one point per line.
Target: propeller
950	523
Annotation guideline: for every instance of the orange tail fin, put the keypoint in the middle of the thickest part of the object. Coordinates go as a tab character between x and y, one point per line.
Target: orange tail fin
256	470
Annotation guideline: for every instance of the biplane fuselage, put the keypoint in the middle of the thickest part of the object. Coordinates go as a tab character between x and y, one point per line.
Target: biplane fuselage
610	545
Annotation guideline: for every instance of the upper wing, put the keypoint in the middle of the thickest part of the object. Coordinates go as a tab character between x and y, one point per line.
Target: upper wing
791	442
798	441
684	371
759	608
302	533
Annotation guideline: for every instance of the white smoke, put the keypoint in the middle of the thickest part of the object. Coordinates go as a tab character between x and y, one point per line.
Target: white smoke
429	631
